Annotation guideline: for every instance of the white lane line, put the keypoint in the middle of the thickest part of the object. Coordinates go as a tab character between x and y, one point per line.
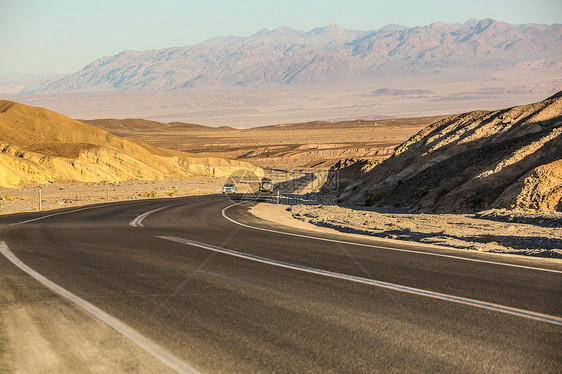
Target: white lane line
391	286
60	213
137	222
148	345
132	223
385	248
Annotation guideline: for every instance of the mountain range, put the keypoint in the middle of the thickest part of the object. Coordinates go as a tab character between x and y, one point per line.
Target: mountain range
291	57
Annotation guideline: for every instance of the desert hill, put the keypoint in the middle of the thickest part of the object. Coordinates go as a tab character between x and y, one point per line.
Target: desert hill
131	125
510	158
291	145
41	146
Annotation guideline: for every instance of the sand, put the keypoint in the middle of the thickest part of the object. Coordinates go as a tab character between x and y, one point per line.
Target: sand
294	145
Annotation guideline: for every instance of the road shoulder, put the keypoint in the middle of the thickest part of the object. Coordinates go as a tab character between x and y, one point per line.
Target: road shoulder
307	218
59	336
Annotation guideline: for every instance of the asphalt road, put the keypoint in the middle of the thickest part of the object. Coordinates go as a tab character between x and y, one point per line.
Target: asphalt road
222	313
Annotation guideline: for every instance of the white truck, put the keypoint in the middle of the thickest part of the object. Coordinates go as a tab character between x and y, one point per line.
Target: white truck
228	188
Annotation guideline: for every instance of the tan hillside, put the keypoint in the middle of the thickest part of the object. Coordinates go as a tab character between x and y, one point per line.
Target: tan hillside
508	158
41	146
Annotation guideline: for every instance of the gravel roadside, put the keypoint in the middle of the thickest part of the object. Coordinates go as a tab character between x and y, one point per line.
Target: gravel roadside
507	232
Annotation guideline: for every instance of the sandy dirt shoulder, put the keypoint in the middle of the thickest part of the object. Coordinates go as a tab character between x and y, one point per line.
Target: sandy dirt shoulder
74	194
41	332
64	195
460	231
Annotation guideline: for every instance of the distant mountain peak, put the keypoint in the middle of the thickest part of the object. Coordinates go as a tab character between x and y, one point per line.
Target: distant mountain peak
263	31
285	32
393	27
439	24
471	22
329	53
332	28
282	29
484	24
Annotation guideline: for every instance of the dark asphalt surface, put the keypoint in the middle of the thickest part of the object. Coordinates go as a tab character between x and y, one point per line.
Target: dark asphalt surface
225	314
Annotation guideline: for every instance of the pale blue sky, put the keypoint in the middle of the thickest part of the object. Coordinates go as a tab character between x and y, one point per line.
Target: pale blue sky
64	35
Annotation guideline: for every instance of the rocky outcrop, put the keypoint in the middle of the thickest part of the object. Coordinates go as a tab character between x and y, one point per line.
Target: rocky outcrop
540	189
345	173
474	161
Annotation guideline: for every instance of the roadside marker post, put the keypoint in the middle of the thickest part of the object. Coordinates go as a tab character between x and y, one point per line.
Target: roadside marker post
39	191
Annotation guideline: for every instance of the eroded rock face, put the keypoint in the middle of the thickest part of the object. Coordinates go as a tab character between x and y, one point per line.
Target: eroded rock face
343	176
474	161
540	189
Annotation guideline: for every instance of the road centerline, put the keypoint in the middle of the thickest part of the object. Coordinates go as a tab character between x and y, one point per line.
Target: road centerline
391	286
137	221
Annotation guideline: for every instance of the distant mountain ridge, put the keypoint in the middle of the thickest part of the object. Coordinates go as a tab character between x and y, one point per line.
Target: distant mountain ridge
331	53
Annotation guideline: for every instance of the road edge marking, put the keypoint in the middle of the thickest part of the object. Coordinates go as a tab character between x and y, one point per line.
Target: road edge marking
145	343
391	286
58	214
383	247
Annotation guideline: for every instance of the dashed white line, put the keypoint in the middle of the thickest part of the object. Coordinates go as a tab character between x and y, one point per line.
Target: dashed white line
148	345
396	287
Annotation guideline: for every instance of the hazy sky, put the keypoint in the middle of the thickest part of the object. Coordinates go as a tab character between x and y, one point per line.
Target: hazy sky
64	35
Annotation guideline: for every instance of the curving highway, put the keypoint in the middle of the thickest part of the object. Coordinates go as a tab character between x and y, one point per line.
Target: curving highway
202	285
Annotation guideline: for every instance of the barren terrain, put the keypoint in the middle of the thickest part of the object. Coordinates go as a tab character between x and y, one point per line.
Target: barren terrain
64	195
74	194
449	93
303	145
